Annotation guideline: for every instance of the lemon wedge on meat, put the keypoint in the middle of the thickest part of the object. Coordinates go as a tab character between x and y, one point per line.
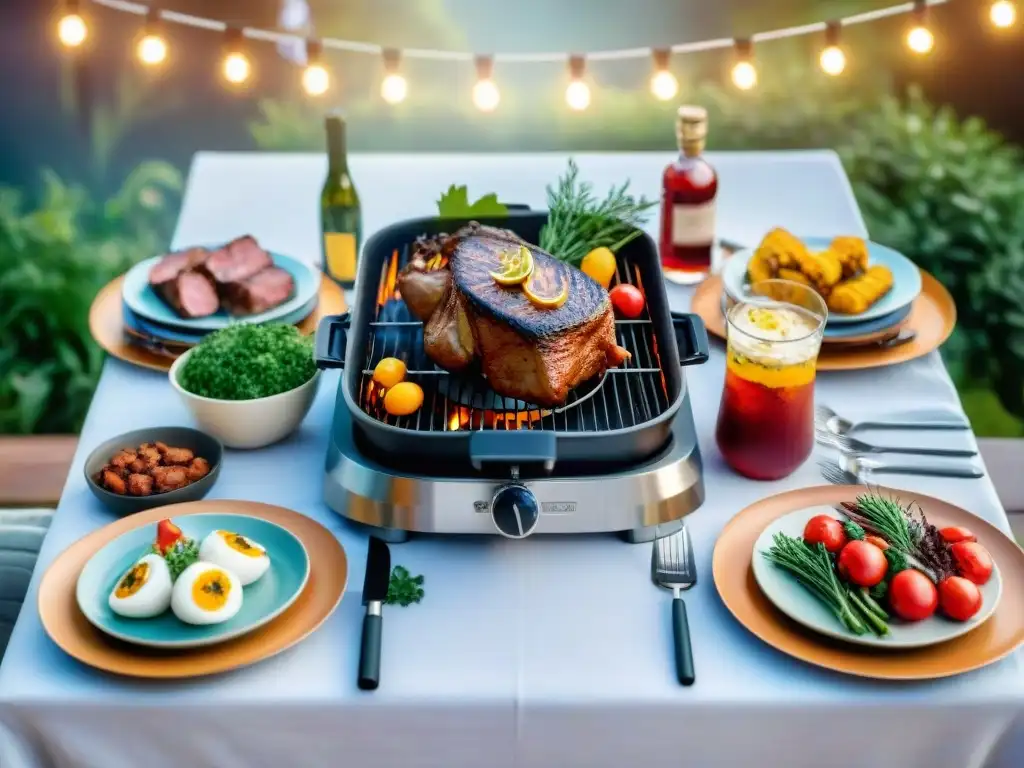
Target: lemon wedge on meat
516	267
541	295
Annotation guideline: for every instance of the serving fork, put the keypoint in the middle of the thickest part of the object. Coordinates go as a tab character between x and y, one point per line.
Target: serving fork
856	470
672	567
926	419
849	444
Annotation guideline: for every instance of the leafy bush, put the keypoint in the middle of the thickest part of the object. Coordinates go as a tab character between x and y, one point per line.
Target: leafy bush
54	258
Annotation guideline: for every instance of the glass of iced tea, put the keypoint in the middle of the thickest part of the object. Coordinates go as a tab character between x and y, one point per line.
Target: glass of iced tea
766	420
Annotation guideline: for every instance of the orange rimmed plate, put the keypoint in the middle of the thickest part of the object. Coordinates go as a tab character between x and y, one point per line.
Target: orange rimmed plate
734	579
68	627
933	318
106	323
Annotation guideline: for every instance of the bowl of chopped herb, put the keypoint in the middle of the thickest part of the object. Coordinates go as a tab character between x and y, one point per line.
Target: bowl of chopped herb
248	385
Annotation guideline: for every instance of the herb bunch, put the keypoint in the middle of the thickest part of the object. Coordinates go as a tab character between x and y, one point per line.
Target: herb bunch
248	361
179	557
404	588
578	222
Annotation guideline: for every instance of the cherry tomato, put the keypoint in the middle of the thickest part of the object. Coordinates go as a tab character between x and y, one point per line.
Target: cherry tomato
955	533
627	300
960	599
973	561
878	541
825	530
167	535
912	595
862	563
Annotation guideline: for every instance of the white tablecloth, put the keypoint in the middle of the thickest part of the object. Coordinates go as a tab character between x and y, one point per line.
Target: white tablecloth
544	652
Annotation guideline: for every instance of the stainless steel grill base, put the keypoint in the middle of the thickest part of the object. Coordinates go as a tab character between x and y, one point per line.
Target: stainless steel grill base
639	502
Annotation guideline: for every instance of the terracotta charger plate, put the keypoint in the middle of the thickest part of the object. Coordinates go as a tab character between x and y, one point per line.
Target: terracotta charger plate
64	622
996	638
106	323
933	317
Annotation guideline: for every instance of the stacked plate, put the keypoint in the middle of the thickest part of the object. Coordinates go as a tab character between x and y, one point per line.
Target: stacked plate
151	323
880	322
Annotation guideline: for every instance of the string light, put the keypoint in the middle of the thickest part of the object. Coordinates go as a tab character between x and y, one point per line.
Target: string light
833	58
744	73
71	29
920	39
236	67
577	93
486	96
315	78
152	48
664	85
393	88
1003	13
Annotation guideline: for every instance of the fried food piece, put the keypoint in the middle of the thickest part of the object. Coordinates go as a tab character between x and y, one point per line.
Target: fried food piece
140	485
160	446
178	456
123	458
854	296
169	478
778	250
760	268
794	275
852	253
139	466
113	482
150	454
822	269
198	469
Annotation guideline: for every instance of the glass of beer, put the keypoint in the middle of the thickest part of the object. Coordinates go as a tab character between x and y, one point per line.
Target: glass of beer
766	420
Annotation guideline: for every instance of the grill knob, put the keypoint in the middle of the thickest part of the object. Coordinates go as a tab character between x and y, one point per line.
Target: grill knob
515	511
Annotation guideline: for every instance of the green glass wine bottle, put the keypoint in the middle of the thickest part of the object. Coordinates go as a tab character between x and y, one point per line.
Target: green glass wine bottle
341	221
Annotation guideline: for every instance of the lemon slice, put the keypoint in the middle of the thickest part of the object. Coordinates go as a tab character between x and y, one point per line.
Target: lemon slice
516	267
540	292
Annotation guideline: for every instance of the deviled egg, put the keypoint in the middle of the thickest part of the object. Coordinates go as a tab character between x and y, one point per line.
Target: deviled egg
239	554
144	590
206	594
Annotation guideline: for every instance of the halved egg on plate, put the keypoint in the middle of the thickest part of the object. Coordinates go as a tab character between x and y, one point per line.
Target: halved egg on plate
239	554
206	594
144	590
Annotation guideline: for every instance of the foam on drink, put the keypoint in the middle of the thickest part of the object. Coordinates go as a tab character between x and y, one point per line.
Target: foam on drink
773	344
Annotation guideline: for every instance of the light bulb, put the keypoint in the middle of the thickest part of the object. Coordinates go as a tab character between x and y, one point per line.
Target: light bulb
833	60
486	95
71	30
394	88
744	75
577	95
315	80
1003	13
236	68
920	40
664	85
152	50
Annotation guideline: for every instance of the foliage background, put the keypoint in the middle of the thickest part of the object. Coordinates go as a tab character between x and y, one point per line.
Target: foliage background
83	199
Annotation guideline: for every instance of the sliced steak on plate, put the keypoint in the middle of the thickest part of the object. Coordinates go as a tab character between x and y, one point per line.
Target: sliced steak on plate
264	290
173	264
237	261
191	294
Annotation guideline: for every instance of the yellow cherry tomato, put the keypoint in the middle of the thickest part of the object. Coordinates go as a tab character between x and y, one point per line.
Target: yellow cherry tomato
599	265
403	398
389	372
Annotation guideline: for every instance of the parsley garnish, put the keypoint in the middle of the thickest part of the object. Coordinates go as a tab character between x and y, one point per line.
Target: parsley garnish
179	557
404	588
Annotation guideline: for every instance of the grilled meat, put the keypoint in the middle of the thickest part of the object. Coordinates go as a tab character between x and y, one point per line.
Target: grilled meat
264	290
526	352
237	261
175	280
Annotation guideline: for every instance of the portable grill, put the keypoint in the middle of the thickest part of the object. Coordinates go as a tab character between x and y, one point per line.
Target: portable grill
619	455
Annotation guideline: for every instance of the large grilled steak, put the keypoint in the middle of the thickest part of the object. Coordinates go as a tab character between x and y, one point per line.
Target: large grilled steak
189	293
526	352
264	290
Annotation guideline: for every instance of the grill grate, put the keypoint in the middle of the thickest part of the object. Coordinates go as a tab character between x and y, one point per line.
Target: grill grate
627	396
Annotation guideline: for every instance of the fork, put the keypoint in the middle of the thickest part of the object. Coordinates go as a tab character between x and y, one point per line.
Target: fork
855	471
672	567
853	445
927	419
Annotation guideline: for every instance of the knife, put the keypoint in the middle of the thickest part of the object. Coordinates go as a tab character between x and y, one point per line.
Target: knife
375	592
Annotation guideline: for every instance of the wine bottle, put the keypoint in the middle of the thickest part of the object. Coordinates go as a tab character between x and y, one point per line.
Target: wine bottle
341	221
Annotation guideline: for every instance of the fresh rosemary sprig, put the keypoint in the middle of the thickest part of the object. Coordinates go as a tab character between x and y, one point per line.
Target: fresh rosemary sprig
578	222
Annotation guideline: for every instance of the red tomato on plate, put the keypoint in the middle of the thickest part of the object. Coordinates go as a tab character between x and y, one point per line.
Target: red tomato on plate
960	599
912	595
167	535
825	530
627	300
955	533
973	561
862	563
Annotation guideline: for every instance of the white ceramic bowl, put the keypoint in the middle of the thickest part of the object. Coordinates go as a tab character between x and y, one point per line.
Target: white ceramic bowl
248	423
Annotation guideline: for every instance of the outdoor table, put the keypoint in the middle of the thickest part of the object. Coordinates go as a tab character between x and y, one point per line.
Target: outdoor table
551	651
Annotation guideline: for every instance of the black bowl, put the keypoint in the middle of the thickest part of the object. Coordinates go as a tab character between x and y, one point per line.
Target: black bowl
200	443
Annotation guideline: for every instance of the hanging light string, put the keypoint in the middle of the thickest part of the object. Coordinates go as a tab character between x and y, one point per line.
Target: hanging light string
353	46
